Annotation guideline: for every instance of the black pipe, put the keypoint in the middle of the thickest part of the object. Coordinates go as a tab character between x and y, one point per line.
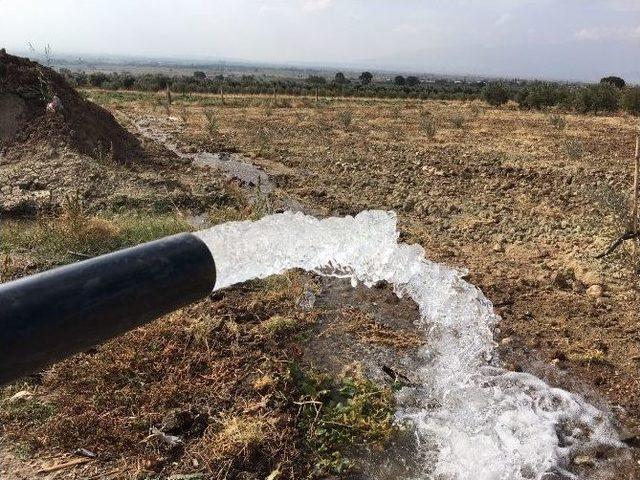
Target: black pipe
52	315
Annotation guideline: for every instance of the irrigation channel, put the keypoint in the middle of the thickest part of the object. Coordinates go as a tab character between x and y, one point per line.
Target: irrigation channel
472	418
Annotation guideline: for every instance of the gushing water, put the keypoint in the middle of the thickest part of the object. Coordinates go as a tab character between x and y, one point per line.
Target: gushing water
473	419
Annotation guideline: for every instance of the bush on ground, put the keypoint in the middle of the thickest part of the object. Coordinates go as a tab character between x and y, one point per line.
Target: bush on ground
496	93
597	98
542	95
631	100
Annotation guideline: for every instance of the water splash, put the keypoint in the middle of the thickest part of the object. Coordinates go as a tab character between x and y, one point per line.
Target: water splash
482	421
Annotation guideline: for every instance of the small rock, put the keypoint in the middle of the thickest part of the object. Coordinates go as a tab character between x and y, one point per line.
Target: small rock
307	300
631	437
602	301
83	452
171	440
595	291
176	421
584	460
20	396
561	280
506	340
498	247
587	277
590	278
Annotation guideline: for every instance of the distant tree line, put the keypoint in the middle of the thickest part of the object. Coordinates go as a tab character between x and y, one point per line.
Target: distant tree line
610	95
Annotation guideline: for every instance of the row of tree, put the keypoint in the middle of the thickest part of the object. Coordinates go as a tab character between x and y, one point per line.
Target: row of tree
609	95
362	86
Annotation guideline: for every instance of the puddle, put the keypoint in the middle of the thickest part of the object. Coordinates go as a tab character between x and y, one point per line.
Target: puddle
233	165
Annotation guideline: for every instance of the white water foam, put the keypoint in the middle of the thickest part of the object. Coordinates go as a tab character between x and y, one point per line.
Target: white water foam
485	422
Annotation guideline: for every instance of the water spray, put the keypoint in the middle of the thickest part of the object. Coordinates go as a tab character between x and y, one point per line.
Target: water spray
52	315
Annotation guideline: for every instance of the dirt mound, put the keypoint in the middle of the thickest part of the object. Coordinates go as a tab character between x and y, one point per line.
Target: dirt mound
27	87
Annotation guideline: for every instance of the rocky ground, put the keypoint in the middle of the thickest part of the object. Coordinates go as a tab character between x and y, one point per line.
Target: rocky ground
522	200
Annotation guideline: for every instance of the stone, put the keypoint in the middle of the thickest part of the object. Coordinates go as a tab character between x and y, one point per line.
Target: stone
591	278
584	460
20	396
562	280
595	291
176	421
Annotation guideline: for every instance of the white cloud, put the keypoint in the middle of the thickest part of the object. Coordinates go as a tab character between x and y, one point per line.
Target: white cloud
504	19
316	5
608	33
624	5
407	29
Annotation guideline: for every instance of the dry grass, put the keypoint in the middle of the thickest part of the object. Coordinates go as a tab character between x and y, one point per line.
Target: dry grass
364	327
74	234
279	324
204	361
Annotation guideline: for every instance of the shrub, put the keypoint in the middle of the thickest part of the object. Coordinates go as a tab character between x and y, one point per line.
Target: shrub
97	79
396	110
631	100
458	121
365	78
557	121
345	117
264	138
184	114
574	148
316	80
614	81
476	110
428	126
413	81
211	121
597	98
495	93
541	95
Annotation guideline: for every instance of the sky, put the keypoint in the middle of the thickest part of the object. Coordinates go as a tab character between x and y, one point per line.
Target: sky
554	39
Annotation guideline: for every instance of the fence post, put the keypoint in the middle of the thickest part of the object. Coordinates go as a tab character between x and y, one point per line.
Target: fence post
634	214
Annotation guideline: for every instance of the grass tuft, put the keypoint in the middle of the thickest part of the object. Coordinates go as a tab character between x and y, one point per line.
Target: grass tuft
74	234
340	413
279	324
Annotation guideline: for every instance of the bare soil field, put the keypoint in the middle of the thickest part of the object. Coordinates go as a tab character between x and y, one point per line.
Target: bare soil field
522	200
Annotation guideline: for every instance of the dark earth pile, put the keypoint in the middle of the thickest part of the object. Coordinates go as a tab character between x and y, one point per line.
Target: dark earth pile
27	87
